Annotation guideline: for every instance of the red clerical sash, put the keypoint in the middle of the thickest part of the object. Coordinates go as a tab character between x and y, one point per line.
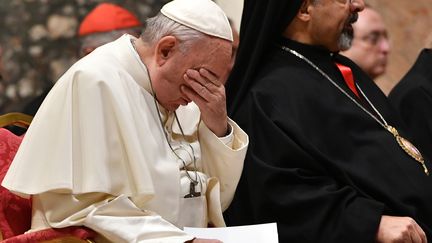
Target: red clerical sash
348	76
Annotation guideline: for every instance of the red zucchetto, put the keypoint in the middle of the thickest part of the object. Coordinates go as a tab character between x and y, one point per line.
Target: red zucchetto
107	17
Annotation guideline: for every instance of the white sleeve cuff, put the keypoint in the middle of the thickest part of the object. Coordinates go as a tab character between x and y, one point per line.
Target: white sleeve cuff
228	139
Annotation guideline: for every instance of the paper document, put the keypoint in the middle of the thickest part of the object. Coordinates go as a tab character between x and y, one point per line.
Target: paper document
259	233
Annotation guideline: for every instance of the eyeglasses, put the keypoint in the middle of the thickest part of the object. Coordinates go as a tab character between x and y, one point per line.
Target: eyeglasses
375	38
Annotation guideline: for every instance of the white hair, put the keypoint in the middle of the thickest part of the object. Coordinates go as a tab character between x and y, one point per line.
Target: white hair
160	26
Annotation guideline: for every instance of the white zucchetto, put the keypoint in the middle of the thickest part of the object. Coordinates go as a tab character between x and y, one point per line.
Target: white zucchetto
202	15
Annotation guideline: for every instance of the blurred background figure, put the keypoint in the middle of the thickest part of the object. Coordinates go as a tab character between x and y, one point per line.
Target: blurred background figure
104	24
370	46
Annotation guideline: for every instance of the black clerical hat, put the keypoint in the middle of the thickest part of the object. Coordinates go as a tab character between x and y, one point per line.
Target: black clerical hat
263	22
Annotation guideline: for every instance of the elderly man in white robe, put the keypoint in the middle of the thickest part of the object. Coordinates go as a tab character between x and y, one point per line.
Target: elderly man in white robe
134	141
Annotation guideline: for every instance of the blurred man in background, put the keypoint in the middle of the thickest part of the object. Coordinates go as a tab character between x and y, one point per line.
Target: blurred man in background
370	46
105	23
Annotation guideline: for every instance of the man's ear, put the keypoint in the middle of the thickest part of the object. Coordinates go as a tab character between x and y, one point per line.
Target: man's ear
304	11
165	49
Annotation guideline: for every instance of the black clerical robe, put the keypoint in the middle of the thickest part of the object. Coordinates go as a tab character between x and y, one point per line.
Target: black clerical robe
317	164
412	98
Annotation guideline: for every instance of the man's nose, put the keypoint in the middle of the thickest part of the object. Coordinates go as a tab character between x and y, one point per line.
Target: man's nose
385	45
357	5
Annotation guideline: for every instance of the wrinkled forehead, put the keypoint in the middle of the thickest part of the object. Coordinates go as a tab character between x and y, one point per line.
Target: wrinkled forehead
370	20
217	56
221	58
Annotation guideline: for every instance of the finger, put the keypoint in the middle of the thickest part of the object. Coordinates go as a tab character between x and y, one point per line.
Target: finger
211	77
415	238
193	96
202	80
420	233
198	88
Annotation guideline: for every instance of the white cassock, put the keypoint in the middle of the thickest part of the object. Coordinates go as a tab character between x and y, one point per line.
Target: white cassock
96	155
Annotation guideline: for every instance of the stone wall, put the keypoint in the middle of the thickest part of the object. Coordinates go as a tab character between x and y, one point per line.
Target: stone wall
38	42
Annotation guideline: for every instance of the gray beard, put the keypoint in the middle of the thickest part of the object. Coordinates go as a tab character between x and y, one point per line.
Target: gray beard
345	41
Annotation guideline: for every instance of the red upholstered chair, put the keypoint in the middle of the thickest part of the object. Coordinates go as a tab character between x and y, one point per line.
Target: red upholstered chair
15	212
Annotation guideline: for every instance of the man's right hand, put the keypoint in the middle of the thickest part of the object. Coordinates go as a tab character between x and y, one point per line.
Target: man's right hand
400	230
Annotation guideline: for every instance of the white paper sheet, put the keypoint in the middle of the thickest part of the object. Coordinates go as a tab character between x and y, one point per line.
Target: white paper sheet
259	233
